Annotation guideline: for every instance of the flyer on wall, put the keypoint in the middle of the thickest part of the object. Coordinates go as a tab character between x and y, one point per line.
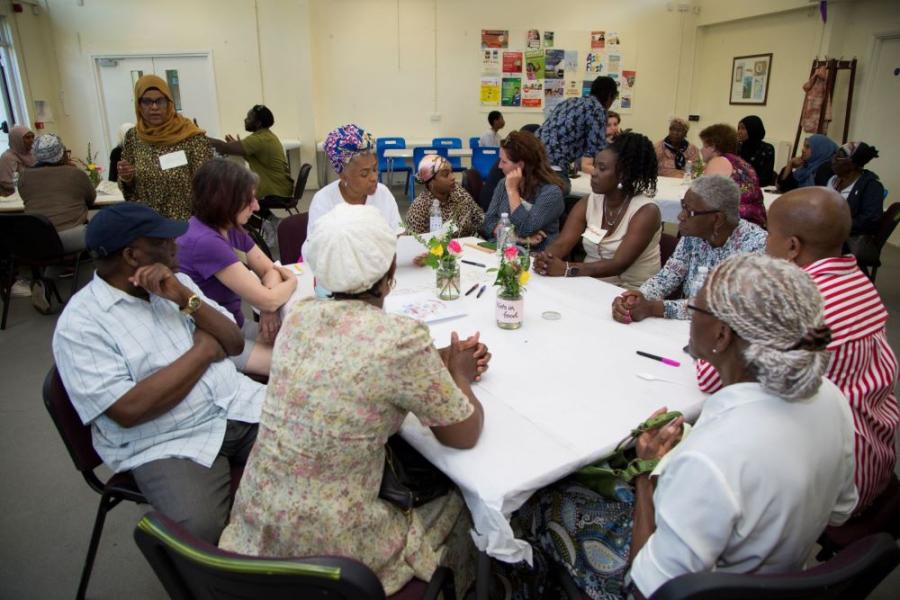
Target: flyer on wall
573	88
490	61
553	92
511	91
613	64
533	39
586	88
533	94
571	60
490	91
548	39
512	63
594	63
612	39
598	39
534	64
628	79
553	64
494	38
625	101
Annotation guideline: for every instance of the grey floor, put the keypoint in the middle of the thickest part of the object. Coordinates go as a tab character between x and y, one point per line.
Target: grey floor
46	510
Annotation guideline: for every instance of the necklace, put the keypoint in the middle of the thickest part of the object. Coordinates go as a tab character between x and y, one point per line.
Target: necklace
612	222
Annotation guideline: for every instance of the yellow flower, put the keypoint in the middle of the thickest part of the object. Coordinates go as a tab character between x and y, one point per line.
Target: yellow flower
523	277
92	167
438	250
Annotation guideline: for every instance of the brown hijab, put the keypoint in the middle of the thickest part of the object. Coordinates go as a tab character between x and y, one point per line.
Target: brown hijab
171	131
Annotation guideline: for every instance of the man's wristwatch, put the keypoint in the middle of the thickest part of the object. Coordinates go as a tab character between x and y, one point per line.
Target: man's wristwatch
571	270
192	305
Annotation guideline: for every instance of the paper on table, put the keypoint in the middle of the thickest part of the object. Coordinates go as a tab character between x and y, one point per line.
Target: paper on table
408	248
423	306
108	187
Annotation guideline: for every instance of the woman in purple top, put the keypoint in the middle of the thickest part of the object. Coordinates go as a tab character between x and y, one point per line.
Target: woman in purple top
719	154
227	265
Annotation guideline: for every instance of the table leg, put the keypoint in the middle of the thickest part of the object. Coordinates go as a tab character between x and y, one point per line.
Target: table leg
390	163
483	577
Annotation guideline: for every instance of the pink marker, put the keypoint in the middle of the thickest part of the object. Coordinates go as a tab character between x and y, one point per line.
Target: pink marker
662	359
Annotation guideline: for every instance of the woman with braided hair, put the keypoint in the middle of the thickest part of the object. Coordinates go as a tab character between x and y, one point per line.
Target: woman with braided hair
617	224
768	464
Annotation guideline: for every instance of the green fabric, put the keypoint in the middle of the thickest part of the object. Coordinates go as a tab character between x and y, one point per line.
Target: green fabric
265	154
237	565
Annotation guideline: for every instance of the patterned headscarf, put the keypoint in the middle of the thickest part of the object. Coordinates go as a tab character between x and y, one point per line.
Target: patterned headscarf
429	167
344	143
679	150
48	149
859	152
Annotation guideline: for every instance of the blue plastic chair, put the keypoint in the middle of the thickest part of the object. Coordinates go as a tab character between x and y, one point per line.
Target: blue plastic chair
474	142
450	142
399	164
483	160
418	155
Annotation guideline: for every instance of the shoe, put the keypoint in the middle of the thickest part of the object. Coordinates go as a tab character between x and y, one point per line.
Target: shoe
40	297
21	289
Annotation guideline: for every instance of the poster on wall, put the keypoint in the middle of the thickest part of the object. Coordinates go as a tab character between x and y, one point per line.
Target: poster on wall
533	94
613	41
511	91
628	79
494	38
593	63
586	88
553	64
750	79
490	91
549	37
573	88
534	65
490	61
512	63
533	39
571	60
613	64
598	39
553	92
625	101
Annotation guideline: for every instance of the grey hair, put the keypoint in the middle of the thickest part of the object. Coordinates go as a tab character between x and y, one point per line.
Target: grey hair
776	308
720	193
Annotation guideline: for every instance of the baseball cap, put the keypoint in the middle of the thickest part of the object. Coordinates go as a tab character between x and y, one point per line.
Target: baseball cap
118	225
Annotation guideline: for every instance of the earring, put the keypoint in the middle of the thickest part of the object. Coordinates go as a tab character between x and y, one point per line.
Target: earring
715	350
619	186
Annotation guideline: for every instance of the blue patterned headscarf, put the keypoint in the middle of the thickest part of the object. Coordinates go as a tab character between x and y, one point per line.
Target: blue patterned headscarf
823	148
345	143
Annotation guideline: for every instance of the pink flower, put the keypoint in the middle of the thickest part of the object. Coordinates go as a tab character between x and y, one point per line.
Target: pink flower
454	247
511	252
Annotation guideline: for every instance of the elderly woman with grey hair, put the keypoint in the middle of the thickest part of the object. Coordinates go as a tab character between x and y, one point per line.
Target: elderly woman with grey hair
768	464
712	231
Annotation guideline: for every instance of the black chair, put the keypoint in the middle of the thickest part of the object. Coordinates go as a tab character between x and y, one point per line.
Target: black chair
853	573
289	204
882	516
886	227
77	438
291	235
667	243
192	569
472	183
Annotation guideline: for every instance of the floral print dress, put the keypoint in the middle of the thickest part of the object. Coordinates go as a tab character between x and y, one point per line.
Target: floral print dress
752	207
344	376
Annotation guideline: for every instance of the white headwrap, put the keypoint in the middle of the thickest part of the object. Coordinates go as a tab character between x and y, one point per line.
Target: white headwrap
351	248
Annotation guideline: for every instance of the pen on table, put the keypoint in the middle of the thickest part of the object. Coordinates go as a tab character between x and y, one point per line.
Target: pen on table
481	291
471	262
662	359
472	289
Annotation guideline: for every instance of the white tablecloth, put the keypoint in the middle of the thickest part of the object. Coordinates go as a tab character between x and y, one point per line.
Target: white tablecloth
107	193
558	395
669	192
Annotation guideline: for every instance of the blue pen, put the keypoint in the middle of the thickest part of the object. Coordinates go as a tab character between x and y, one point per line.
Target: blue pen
481	291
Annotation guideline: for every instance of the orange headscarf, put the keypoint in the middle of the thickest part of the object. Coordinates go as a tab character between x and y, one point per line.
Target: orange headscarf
171	131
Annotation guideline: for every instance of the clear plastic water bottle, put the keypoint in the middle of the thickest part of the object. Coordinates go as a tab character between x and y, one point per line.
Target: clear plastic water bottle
436	221
504	232
702	273
16	180
688	172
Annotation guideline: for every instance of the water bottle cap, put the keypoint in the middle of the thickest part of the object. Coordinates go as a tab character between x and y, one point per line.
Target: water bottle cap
502	215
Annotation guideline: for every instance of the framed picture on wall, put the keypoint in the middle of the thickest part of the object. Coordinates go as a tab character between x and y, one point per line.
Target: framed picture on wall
749	82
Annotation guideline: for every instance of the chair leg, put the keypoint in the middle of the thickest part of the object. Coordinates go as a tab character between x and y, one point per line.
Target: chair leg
75	276
54	289
107	503
7	293
483	577
874	273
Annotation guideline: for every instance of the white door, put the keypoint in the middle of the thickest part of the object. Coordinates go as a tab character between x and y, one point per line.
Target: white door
189	78
884	134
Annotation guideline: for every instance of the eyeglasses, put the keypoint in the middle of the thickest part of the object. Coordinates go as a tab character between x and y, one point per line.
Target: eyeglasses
160	102
700	310
695	213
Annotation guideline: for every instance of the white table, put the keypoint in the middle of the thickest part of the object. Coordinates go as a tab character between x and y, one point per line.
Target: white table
669	192
107	193
558	394
292	146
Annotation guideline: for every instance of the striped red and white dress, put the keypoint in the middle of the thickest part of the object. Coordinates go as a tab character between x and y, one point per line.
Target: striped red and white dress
862	365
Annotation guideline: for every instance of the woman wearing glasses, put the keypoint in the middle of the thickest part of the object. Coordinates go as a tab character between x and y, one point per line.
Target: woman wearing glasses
711	230
161	153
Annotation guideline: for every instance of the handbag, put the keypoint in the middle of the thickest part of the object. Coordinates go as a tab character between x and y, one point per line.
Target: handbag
409	480
623	465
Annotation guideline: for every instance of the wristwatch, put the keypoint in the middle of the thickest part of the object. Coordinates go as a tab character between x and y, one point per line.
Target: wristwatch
192	305
572	270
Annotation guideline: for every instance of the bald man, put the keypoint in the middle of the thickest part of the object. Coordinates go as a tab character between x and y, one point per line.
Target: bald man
808	226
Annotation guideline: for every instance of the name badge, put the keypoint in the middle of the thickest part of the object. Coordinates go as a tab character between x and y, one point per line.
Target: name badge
594	235
172	160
